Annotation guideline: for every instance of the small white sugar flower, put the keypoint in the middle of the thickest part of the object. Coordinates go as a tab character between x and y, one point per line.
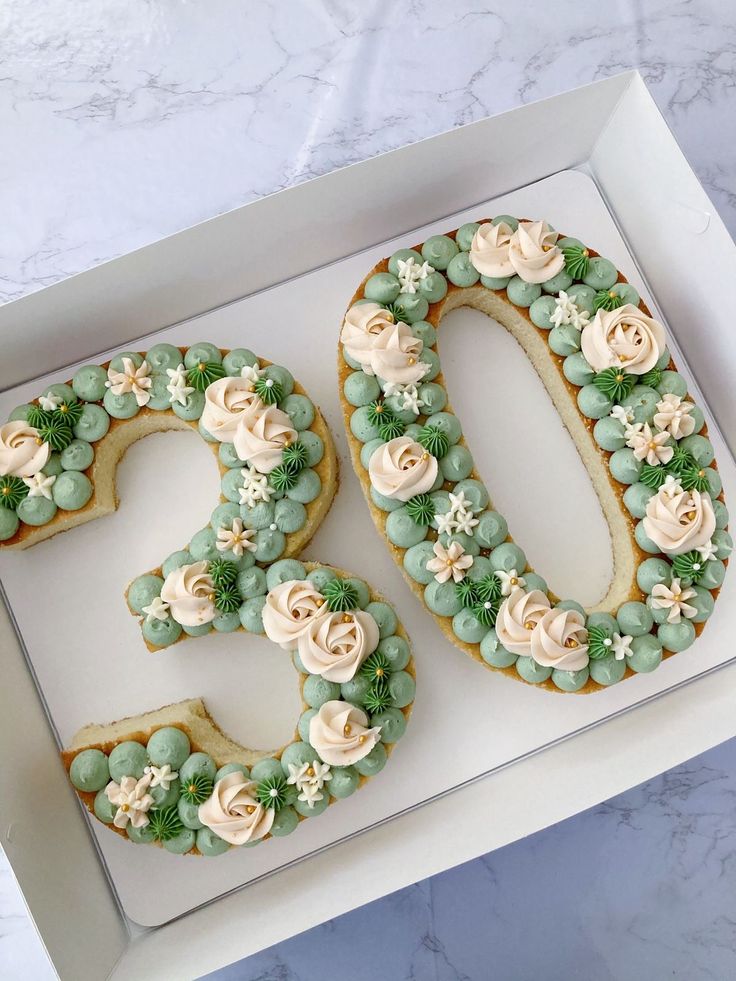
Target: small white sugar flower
132	799
449	563
177	388
50	402
39	485
621	646
707	551
309	779
255	487
236	539
157	609
251	372
410	272
161	776
465	522
673	598
446	523
510	581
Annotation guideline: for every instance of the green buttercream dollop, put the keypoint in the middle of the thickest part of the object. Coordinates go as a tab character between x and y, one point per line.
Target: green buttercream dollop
93	423
382	288
609	434
521	293
104	810
209	844
570	680
491	530
651	572
192	408
494	653
415	562
442	599
161	633
143	591
284	822
361	389
299	409
439	250
385	618
306	489
9	523
461	271
624	466
317	691
642	400
676	637
402	530
168	745
636	498
237	359
607	670
592	402
203	545
433	287
89	770
250	614
457	463
577	370
601	274
283	571
646	653
465	235
508	556
562	281
410	307
541	310
120	406
127	759
78	455
374	762
403	254
528	669
181	843
34	510
88	383
564	340
468	628
634	618
672	383
162	357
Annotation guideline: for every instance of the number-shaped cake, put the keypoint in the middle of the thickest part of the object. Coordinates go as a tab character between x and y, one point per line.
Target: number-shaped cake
172	777
605	364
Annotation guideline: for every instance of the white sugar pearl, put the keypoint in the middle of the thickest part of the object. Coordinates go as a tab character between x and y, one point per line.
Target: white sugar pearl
607	642
269	383
273	527
487	605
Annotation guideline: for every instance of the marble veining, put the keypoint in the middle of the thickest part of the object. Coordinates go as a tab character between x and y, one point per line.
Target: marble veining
126	120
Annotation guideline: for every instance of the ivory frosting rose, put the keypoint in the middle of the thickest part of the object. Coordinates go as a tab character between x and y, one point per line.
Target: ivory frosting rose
560	640
362	323
261	435
234	813
517	618
533	254
395	355
336	645
677	520
341	735
290	609
623	338
21	453
402	468
190	593
224	402
489	250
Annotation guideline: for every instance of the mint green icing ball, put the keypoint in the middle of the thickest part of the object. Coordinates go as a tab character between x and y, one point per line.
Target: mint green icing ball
284	822
439	250
570	604
384	503
368	449
601	619
634	618
284	571
375	761
564	340
189	814
395	404
441	598
676	637
120	406
104	810
169	745
474	491
228	457
643	541
160	398
723	543
226	623
9	523
361	389
250	614
63	391
297	754
71	490
533	581
494	653
577	370
361	427
224	515
521	293
651	572
393	727
317	691
429	357
320	576
425	331
636	499
512	222
175	561
164	356
467	627
541	310
140	836
703	602
363	591
582	296
403	254
627	293
270	544
570	680
209	844
266	768
609	434
205	433
317	806
508	556
624	466
672	383
127	759
78	455
198	631
299	409
53	465
402	530
355	690
237	359
93	423
197	764
601	274
646	653
116	363
721	514
89	770
491	529
593	403
161	633
562	281
411	307
165	798
700	447
182	843
202	352
495	282
696	414
35	510
88	383
204	545
290	516
20	413
528	669
433	287
314	447
385	618
457	463
415	562
607	670
351	362
402	688
465	234
192	408
449	424
143	590
642	400
433	397
344	782
382	288
461	270
303	724
468	542
715	484
260	516
281	375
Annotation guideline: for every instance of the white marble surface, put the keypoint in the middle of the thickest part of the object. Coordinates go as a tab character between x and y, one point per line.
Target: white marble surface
125	120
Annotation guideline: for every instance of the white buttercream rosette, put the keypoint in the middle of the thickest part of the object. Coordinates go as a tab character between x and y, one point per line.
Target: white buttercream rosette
533	254
517	617
340	733
262	433
681	521
623	338
234	813
335	646
489	250
402	468
224	402
363	323
190	593
290	609
560	640
22	454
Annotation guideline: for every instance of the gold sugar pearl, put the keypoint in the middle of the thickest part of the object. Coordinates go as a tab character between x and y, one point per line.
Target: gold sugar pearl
425	456
6	491
201	366
379	409
448	563
379	672
39	441
250	809
701	473
125	808
611	294
546	248
63	407
620	377
192	788
571	642
347	729
320	600
586	253
529	625
514	581
310	771
652	445
411	361
361	739
346	618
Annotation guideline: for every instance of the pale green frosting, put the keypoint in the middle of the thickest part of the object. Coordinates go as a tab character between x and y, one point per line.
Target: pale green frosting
252	582
592	402
127	759
344	782
413	306
439	250
434	398
609	434
303	724
461	271
676	637
703	602
320	577
642	400
361	588
564	340
426	333
116	363
402	530
104	810
521	293
35	510
651	572
164	356
541	310
9	523
465	235
355	690
203	351
627	293
601	274
89	770
88	383
382	288
175	561
78	455
250	614
53	465
161	633
495	282
646	653
634	618
385	618
468	542
281	375
449	424
204	545
143	590
672	383
403	254
534	581
375	761
509	220
570	604
283	571
415	562
209	844
577	370
457	463
182	844
195	765
266	768
165	798
289	515
636	499
396	651
491	530
297	753
528	669
383	502
393	727
307	487
643	541
284	822
361	427
224	515
700	447
71	490
714	574
601	619
562	281
723	542
474	491
235	360
160	397
433	287
467	628
570	680
269	544
361	389
318	806
624	466
141	836
299	409
607	670
494	653
120	406
192	408
20	413
441	598
260	516
317	691
402	688
168	745
582	296
198	631
226	623
508	556
189	814
93	424
228	457
429	357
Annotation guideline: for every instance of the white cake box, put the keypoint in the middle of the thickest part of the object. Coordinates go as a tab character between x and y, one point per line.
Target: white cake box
600	164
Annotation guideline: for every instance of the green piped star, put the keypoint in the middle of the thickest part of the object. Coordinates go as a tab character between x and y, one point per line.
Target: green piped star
378	696
272	792
340	595
615	383
165	823
12	491
421	509
467	592
375	667
204	374
653	476
682	461
379	412
607	300
434	440
485	612
268	390
223	572
488	587
283	478
197	789
227	598
695	478
390	428
652	378
294	456
597	646
69	412
689	567
577	260
398	313
56	432
37	416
